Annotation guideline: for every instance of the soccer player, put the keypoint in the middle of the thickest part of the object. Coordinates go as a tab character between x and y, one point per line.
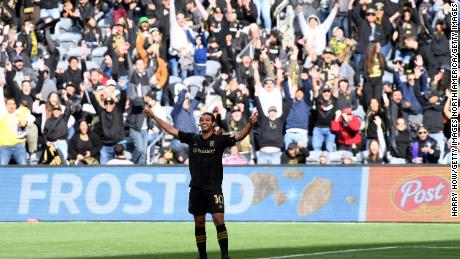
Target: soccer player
205	164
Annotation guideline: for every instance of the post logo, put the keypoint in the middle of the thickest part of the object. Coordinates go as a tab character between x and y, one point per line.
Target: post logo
418	194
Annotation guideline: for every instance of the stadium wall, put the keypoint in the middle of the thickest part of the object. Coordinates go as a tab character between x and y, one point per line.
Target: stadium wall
406	194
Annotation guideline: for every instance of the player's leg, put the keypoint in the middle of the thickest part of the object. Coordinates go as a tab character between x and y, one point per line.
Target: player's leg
216	207
200	235
222	236
197	207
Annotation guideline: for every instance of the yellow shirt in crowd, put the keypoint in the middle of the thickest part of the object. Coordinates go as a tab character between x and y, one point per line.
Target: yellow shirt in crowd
9	129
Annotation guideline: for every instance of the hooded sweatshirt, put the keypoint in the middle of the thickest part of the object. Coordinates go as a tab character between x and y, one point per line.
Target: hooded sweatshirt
316	36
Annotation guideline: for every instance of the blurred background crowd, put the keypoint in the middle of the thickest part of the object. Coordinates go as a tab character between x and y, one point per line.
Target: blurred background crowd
334	82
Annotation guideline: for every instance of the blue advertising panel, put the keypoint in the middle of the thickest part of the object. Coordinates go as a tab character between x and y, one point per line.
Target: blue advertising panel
161	193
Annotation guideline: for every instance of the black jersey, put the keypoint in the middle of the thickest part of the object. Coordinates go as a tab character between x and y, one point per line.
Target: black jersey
205	159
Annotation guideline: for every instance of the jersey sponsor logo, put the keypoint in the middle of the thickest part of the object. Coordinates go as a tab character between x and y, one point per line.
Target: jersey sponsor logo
420	194
199	150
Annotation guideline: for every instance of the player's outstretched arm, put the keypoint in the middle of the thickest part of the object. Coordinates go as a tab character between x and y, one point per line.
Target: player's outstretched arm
163	124
245	131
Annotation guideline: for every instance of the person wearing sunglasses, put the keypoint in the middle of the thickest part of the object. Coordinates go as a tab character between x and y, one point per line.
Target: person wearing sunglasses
111	116
424	149
400	140
433	113
367	28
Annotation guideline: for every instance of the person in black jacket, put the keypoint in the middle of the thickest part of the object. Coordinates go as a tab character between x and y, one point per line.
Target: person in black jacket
246	12
85	11
55	130
92	34
74	98
407	27
422	45
385	27
294	154
370	126
271	134
84	146
401	140
424	149
22	71
72	74
26	92
26	37
440	45
245	74
111	119
433	117
49	53
367	29
373	69
324	113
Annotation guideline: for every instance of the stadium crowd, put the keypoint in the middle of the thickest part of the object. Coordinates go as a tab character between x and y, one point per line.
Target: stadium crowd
347	81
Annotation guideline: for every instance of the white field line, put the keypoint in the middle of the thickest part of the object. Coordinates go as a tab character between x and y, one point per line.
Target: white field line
359	250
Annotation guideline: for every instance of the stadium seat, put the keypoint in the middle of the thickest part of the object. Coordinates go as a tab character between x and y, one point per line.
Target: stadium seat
76	52
174	80
62	64
212	68
92	65
64	25
194	89
178	87
63	53
361	156
313	158
98	53
153	158
397	161
167	138
69	40
34	66
195	84
194	80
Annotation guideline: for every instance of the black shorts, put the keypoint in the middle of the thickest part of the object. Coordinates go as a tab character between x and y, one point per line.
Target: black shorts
201	202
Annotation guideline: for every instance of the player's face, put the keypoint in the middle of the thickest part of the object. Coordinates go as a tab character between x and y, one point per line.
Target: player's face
206	123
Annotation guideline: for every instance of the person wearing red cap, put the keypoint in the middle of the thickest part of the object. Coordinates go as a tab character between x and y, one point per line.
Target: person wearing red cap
346	125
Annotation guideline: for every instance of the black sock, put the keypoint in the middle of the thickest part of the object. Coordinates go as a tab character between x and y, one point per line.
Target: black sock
200	237
222	237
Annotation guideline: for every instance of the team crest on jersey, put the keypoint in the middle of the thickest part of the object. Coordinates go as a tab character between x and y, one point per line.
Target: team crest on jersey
211	143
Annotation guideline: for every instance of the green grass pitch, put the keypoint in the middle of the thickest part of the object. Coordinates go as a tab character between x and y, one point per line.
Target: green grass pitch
246	240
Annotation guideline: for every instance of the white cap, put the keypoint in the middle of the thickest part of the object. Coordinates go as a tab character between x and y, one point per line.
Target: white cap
111	82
